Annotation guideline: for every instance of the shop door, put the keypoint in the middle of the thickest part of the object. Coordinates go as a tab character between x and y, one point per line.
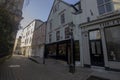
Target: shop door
96	53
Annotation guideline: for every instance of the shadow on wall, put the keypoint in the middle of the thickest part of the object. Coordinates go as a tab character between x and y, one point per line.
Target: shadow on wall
38	41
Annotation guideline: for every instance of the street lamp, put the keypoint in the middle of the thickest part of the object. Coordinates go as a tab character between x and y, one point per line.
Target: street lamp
72	54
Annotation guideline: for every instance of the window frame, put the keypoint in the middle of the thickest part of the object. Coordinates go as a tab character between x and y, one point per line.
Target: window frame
62	18
57	35
104	5
107	43
67	32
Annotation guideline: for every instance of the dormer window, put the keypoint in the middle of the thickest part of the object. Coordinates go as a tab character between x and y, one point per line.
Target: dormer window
56	8
104	6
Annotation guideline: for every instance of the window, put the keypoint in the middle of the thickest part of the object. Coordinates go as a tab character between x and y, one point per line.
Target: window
77	50
50	38
95	35
30	40
50	25
104	6
67	32
62	18
58	35
113	43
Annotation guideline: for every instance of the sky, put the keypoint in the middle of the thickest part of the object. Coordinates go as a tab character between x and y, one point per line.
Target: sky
38	9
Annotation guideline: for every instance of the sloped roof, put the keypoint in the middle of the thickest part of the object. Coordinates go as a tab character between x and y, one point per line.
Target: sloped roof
54	3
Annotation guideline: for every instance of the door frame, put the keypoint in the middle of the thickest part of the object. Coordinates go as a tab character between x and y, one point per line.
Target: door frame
90	52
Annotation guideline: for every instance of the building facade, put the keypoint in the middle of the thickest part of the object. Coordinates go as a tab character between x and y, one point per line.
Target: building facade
17	46
60	29
27	37
38	41
99	27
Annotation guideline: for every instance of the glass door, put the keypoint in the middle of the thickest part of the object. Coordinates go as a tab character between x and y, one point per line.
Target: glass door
96	51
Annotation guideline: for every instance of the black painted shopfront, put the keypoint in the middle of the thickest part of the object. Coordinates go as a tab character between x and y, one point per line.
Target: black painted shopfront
62	50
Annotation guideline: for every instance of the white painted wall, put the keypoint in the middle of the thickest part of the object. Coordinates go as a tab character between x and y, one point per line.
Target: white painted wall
86	6
56	23
30	28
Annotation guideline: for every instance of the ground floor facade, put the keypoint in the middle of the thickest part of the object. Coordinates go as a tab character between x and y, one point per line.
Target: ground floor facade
33	51
62	50
101	42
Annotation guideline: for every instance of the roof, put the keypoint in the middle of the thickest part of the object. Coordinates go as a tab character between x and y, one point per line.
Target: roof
70	5
32	22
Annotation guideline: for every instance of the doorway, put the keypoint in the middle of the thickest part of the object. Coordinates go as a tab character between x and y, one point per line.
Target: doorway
96	51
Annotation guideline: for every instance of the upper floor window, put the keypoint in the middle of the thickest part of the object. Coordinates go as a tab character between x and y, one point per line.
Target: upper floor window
104	6
58	35
67	32
62	18
50	25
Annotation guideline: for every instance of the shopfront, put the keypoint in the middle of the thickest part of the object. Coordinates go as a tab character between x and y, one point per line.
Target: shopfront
62	51
57	50
101	43
112	35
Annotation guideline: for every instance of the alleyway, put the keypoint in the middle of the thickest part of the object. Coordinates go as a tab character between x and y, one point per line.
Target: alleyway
21	68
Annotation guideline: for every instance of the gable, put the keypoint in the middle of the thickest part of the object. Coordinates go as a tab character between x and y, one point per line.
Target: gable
56	7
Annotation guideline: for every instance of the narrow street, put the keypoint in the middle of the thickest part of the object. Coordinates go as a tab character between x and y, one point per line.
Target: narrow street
21	68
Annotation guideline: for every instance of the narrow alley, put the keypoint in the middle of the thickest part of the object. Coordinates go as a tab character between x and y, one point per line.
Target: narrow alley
22	68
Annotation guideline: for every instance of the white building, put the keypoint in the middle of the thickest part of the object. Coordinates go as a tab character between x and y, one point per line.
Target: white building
58	37
99	29
27	38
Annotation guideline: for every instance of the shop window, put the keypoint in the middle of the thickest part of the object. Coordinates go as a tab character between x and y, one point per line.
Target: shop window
113	43
104	6
77	51
62	50
52	51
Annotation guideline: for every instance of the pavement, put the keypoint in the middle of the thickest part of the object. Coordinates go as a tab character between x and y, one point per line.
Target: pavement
22	68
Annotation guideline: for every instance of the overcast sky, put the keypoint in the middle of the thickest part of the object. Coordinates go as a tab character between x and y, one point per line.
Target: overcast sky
38	9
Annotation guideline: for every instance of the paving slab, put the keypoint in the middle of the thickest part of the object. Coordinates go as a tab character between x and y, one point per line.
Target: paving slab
22	68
